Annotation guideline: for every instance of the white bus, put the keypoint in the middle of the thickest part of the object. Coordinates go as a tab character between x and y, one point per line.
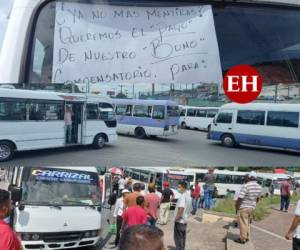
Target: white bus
35	120
197	117
259	124
144	118
56	207
159	175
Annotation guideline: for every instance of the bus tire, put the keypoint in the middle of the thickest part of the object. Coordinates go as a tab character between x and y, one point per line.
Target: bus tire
183	125
228	140
140	133
99	141
7	150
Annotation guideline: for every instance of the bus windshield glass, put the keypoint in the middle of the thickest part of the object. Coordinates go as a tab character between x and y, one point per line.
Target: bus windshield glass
63	187
175	179
70	33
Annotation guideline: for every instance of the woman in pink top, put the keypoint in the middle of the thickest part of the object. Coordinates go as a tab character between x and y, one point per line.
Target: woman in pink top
152	205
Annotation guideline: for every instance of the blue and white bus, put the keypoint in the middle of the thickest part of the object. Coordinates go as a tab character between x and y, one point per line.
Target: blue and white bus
260	124
144	118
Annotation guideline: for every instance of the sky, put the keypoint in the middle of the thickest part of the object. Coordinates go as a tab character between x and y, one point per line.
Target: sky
5	6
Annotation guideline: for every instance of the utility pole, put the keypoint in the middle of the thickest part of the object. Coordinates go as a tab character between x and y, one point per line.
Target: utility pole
121	86
133	91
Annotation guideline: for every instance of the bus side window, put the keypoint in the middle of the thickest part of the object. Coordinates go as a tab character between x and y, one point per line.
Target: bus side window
191	112
158	112
224	117
12	110
92	112
128	110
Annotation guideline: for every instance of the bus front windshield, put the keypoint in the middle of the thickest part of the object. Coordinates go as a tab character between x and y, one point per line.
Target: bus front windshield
175	179
62	187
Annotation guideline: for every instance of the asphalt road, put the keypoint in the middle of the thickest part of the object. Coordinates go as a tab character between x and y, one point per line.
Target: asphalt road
188	148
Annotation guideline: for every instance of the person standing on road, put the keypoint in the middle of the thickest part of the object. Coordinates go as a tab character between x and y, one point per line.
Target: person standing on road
209	187
130	199
245	204
152	205
285	192
294	230
8	238
196	197
135	215
182	212
68	124
142	237
118	213
165	203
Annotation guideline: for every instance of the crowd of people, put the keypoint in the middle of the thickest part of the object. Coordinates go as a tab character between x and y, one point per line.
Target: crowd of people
139	208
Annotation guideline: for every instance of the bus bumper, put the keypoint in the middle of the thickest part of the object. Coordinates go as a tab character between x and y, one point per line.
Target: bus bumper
41	244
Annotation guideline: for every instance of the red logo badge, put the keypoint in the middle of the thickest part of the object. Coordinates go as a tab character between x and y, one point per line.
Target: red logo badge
242	84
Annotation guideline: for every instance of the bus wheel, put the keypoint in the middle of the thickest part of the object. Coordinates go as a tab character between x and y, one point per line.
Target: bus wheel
99	141
183	125
140	133
6	151
228	140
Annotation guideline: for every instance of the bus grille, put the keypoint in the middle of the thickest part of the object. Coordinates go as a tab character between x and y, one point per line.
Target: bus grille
111	124
63	236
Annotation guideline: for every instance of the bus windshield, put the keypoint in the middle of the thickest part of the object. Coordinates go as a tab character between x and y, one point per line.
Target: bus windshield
259	35
174	179
63	187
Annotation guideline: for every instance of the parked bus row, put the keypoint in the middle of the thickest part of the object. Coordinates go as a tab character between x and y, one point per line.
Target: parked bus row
226	181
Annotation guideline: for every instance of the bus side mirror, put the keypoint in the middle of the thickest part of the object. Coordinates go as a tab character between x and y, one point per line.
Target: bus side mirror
215	121
16	194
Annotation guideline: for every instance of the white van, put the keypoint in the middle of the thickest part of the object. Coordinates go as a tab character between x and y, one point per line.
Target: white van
197	117
260	124
32	120
57	207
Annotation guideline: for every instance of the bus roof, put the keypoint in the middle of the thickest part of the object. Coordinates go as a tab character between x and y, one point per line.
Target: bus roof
33	3
49	95
141	101
263	106
87	169
196	107
273	176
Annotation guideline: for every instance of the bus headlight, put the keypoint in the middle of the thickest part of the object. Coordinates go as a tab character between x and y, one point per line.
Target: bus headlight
30	237
91	234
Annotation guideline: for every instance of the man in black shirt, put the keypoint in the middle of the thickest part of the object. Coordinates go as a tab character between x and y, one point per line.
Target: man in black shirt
167	196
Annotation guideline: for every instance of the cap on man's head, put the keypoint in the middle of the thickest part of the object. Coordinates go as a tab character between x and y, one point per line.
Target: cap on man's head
166	184
252	175
124	191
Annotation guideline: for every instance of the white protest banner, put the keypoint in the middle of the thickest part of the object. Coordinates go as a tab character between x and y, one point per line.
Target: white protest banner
122	44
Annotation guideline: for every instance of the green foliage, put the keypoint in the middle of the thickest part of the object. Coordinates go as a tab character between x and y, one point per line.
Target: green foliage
261	211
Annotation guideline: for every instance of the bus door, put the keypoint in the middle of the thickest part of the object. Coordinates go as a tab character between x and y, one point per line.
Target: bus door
74	129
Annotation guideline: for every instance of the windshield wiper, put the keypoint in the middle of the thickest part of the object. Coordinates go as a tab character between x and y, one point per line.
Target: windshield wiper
44	203
81	203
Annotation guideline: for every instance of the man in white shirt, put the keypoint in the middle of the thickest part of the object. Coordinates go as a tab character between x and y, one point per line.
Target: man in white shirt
118	213
294	230
122	183
182	212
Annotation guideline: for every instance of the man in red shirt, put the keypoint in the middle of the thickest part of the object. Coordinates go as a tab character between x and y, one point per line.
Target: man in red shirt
285	192
152	205
8	238
135	215
196	197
